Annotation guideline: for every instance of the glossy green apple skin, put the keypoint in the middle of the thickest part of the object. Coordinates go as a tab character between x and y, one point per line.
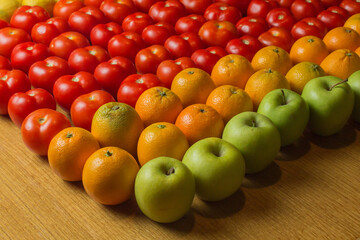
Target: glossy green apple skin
256	137
329	109
288	111
218	168
354	82
161	197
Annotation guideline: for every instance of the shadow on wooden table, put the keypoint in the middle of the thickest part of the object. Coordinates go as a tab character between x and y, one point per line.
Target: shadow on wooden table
124	209
295	150
265	178
183	225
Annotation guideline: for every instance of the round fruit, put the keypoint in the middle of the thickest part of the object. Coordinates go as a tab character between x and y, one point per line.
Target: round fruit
342	38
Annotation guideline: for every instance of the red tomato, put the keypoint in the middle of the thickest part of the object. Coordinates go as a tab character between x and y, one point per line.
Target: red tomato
168	69
222	12
4	24
352	6
9	38
64	8
190	23
339	10
285	3
126	44
117	10
44	32
148	59
261	8
157	33
331	19
84	107
68	87
40	126
241	5
86	59
110	74
67	42
309	26
306	8
102	33
136	22
246	46
43	74
216	33
11	82
25	54
22	104
329	3
134	85
144	5
206	58
85	19
25	17
5	63
168	11
279	37
196	6
194	40
95	3
252	25
178	47
280	17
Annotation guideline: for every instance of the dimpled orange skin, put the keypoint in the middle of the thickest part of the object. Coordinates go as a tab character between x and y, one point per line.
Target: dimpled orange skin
308	49
342	38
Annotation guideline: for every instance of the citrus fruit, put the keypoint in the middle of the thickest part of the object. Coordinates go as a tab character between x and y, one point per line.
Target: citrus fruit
272	57
342	38
158	104
341	63
117	124
109	175
200	121
229	100
232	69
69	150
308	49
357	51
302	73
192	85
263	82
48	5
353	22
7	7
161	139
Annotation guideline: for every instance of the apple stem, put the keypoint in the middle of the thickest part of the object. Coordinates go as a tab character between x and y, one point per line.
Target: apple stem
336	84
171	171
253	123
283	94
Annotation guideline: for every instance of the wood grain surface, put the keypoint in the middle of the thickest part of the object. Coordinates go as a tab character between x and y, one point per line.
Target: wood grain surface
312	191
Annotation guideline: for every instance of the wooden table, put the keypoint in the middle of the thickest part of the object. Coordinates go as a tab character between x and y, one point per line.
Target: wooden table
312	191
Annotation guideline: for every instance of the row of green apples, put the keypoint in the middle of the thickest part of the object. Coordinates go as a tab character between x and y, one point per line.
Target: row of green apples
214	168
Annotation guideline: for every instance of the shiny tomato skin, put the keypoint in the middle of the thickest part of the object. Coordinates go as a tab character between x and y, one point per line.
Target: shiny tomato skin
25	17
22	104
252	25
339	10
95	3
189	23
5	63
222	12
40	126
84	107
306	8
217	33
285	3
126	44
148	59
44	32
280	17
4	24
168	69
63	45
117	10
110	74
64	8
43	74
168	11
196	6
134	85
352	6
207	58
11	81
246	46
102	33
241	5
136	22
86	59
25	54
157	33
309	26
329	3
144	5
178	47
10	37
276	36
260	8
194	40
331	19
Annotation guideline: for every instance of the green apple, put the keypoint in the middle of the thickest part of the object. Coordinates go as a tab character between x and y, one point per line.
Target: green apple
331	103
218	168
288	111
256	137
354	82
164	189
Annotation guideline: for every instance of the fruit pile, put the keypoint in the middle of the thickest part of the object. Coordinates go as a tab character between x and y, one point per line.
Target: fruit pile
206	91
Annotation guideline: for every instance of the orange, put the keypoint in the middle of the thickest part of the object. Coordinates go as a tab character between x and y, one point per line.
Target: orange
158	104
341	63
263	82
308	49
302	73
69	150
109	175
117	124
200	121
357	51
342	38
161	139
232	69
272	57
229	100
192	85
353	22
